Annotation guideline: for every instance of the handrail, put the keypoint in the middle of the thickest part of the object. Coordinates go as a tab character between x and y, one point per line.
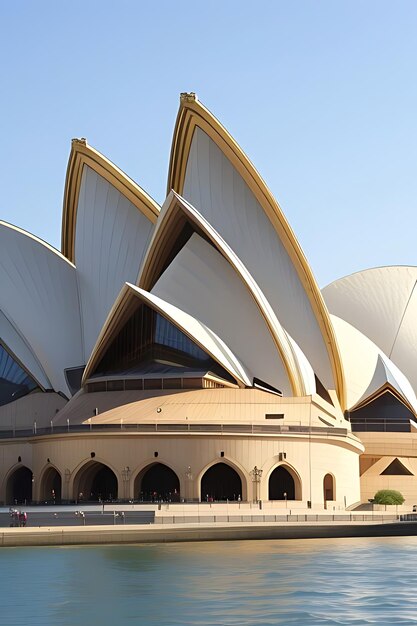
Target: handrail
187	427
382	425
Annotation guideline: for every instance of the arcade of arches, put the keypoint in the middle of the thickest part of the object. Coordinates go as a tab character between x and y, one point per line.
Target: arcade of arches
95	481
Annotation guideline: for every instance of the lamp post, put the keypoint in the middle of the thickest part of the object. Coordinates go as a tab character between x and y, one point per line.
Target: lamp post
125	478
67	478
189	478
33	488
285	498
256	479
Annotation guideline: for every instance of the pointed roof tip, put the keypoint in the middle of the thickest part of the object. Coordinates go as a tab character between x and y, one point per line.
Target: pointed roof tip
188	96
83	154
79	140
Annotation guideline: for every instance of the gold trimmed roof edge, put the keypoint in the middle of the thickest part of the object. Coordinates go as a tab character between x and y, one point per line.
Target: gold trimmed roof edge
82	154
191	114
386	387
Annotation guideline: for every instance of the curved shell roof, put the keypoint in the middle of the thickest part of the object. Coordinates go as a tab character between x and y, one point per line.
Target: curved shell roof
82	155
203	336
39	295
367	368
237	282
210	171
382	304
209	282
107	224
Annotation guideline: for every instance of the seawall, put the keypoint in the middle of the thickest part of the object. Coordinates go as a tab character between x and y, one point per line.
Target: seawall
160	533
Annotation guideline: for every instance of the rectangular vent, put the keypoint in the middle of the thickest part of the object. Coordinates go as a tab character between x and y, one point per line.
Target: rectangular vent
274	416
133	384
115	385
152	383
96	387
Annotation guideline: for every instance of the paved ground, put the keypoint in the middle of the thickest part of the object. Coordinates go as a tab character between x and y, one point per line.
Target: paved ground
128	513
60	516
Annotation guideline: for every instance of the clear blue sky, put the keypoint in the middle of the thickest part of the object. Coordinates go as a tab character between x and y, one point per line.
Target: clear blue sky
322	96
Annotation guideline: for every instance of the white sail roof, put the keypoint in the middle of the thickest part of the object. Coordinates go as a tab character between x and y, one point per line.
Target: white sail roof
207	280
39	293
367	368
382	304
198	332
210	171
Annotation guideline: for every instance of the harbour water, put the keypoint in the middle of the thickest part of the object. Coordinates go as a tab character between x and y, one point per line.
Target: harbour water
242	583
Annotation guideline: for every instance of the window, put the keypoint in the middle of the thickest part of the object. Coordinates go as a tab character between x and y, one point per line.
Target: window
15	382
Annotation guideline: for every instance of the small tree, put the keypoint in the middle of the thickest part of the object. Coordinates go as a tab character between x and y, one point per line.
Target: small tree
388	496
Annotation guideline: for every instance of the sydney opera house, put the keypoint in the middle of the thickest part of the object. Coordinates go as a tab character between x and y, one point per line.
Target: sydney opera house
186	353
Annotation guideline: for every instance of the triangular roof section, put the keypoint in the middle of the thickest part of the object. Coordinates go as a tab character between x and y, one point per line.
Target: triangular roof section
397	467
21	351
385	381
175	214
15	378
82	154
193	115
195	330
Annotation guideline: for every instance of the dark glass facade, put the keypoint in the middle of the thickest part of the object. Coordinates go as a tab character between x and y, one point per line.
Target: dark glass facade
74	376
386	413
148	343
15	382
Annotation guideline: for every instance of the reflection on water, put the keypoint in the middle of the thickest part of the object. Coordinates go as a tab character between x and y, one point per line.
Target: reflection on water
245	583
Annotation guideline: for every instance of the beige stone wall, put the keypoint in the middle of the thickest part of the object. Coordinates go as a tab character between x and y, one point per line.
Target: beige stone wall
35	407
380	450
307	459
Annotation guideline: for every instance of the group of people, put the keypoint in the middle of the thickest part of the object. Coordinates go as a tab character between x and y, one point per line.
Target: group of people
156	496
19	518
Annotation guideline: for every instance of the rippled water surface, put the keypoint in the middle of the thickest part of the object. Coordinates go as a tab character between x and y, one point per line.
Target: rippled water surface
338	581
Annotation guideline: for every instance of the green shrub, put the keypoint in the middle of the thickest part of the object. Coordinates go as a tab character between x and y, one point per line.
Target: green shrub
388	496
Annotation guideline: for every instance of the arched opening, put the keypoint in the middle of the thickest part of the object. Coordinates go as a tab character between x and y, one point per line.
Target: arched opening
220	482
328	488
283	485
19	486
51	487
157	482
95	482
